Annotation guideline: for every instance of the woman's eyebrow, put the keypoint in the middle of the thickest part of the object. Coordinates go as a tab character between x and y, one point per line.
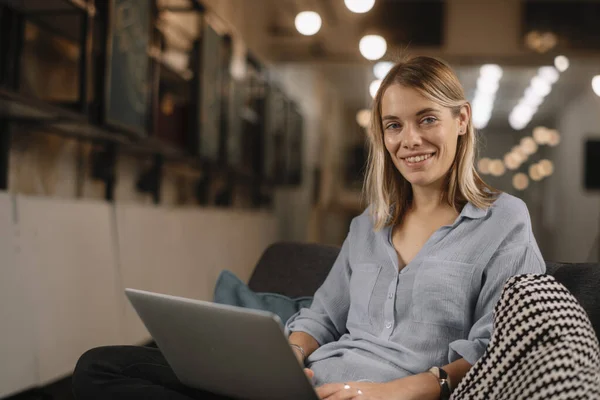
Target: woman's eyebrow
427	110
420	112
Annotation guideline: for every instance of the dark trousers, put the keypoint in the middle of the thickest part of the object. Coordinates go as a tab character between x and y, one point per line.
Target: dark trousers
130	372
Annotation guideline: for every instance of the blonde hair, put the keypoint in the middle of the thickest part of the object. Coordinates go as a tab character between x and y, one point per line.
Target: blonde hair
387	192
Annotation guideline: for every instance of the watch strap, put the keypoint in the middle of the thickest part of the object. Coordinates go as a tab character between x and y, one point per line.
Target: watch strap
442	376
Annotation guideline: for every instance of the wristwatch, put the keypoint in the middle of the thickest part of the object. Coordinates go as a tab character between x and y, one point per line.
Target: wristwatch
442	376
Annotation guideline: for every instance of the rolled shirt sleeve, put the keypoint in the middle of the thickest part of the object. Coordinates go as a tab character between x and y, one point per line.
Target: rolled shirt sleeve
325	320
517	260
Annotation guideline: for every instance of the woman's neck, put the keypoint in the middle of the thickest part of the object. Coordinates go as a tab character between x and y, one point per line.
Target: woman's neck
426	199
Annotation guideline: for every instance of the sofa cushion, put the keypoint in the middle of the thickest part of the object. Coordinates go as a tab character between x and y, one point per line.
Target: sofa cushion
293	269
230	290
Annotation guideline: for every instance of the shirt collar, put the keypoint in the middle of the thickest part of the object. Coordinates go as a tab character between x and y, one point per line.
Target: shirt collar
471	211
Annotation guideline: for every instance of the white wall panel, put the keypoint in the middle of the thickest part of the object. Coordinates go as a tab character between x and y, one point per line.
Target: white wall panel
18	369
67	251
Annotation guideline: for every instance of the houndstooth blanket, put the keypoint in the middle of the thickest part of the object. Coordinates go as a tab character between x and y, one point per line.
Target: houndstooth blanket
543	347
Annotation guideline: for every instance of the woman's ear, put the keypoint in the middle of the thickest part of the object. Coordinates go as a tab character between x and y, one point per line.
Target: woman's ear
464	117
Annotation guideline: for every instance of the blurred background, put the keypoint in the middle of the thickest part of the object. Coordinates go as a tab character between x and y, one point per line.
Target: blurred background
153	143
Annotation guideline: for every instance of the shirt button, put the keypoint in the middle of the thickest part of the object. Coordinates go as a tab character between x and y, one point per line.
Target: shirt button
388	325
391	296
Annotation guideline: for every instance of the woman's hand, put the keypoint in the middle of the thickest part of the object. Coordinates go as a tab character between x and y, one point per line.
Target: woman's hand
417	387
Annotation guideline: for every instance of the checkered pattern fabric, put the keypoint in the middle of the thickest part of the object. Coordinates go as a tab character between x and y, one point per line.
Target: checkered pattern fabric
543	347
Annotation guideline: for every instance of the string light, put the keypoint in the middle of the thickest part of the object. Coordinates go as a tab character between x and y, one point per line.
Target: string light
372	47
520	181
359	6
308	23
363	117
374	87
483	165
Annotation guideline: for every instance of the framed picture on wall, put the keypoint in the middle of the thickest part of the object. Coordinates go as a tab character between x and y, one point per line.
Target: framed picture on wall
128	66
210	94
275	160
237	94
592	164
294	145
225	54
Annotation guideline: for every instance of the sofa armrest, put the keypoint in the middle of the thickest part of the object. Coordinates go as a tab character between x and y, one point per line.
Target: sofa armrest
583	281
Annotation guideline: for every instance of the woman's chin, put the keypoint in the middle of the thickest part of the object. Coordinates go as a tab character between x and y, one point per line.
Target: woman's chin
419	179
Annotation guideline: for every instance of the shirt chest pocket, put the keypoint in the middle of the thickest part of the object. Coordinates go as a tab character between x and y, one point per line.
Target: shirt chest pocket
441	293
362	283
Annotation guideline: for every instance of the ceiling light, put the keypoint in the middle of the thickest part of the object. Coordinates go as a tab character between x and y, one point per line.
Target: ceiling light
381	69
372	47
486	85
491	71
485	94
546	167
497	168
549	74
516	121
531	98
520	181
529	145
561	63
480	118
596	84
363	117
554	138
541	135
534	172
521	115
308	23
483	165
541	41
519	153
540	87
359	6
512	161
374	87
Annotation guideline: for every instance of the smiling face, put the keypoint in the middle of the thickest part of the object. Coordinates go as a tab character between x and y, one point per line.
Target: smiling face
420	135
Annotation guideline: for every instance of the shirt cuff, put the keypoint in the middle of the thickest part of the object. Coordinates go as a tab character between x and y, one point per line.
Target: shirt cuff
470	350
319	332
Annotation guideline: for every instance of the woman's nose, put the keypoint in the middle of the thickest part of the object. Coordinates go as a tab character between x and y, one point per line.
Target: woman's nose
411	138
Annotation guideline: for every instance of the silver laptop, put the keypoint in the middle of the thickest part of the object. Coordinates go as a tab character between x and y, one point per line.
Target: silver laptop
226	350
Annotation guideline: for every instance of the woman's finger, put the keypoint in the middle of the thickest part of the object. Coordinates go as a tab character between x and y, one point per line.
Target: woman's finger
309	372
329	389
338	391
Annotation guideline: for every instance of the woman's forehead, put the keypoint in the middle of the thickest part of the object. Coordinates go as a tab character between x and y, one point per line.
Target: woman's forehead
404	102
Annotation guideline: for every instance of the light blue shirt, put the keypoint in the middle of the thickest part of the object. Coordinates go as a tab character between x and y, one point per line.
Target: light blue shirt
375	323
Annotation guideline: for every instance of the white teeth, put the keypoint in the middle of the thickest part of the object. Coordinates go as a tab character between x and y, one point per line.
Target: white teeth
418	158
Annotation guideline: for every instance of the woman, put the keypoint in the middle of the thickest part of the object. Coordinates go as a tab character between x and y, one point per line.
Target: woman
407	307
420	271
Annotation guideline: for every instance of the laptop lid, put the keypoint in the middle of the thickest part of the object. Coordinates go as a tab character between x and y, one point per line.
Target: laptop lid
226	350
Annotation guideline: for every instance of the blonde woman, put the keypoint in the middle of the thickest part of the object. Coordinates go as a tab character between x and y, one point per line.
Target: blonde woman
407	307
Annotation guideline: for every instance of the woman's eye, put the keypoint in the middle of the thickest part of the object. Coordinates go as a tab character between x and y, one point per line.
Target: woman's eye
429	120
393	125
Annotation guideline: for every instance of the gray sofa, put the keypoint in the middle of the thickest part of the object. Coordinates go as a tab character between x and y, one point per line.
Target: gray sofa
298	269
